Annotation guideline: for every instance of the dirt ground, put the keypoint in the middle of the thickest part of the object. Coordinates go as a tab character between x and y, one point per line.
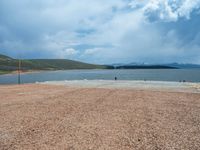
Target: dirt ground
37	116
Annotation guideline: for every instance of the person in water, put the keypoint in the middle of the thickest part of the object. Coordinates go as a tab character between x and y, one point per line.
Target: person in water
115	78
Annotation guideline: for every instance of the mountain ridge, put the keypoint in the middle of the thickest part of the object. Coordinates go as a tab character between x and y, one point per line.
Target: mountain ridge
167	65
10	64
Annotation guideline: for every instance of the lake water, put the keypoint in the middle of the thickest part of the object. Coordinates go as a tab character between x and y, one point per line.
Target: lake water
191	75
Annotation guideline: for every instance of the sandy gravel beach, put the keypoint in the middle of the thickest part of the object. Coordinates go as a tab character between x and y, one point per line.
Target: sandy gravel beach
49	116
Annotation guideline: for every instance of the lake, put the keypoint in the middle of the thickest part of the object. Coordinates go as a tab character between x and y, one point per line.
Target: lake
191	75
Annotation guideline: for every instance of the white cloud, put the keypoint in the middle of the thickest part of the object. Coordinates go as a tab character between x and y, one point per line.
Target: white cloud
70	51
92	51
187	7
170	10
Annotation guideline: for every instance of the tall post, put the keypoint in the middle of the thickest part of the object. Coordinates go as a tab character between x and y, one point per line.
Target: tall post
19	71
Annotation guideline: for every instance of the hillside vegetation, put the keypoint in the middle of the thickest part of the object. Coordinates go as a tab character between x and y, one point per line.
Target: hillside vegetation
9	64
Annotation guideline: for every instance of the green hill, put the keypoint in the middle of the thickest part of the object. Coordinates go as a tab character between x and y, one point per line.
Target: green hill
9	64
2	57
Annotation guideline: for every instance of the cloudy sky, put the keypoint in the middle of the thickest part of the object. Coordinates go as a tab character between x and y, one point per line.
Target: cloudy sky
102	31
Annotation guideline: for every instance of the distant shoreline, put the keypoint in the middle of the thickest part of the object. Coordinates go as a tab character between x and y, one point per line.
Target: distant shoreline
21	72
5	72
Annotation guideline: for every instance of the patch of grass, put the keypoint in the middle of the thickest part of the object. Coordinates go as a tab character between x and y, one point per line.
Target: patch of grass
4	72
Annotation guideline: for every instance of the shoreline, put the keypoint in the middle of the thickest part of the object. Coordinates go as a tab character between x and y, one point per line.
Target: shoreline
21	72
130	84
171	86
38	71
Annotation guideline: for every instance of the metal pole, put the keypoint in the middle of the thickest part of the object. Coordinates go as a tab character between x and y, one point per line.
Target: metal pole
19	71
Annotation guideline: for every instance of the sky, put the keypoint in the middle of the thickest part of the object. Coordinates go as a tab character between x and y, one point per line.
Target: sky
102	31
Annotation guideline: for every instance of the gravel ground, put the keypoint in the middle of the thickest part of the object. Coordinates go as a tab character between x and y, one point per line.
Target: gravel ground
36	116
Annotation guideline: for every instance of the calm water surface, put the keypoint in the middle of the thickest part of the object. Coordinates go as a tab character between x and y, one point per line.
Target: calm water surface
191	75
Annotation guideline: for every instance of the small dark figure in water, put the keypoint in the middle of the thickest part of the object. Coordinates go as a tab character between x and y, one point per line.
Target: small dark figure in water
115	78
